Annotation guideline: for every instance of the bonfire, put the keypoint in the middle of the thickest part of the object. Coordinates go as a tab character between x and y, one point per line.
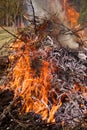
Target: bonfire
47	82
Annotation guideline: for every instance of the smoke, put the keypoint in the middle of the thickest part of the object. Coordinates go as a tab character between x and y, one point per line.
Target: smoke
45	9
68	41
48	9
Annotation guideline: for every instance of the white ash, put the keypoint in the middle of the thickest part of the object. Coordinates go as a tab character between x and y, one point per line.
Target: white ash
71	67
82	56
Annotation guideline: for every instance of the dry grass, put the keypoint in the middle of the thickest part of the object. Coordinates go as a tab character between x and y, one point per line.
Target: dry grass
5	37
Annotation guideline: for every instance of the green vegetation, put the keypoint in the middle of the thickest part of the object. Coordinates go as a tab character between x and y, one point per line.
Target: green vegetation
83	12
10	18
11	15
81	6
10	12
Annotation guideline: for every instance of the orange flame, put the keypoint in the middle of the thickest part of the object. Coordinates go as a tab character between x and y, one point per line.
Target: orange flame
36	90
83	89
33	89
71	14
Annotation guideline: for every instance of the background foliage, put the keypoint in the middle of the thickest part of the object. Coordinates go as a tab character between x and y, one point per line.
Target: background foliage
11	11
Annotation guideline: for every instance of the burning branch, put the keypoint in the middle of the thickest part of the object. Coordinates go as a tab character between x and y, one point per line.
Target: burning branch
34	18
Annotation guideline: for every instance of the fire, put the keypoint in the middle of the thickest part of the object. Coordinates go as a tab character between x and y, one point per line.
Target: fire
82	89
71	14
32	81
33	84
33	88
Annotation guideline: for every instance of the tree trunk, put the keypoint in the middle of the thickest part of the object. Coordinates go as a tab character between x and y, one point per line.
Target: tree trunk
7	19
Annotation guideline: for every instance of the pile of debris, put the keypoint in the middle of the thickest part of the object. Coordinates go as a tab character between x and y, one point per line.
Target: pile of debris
68	71
46	84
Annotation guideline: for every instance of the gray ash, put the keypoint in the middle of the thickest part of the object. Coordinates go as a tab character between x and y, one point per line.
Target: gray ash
72	65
